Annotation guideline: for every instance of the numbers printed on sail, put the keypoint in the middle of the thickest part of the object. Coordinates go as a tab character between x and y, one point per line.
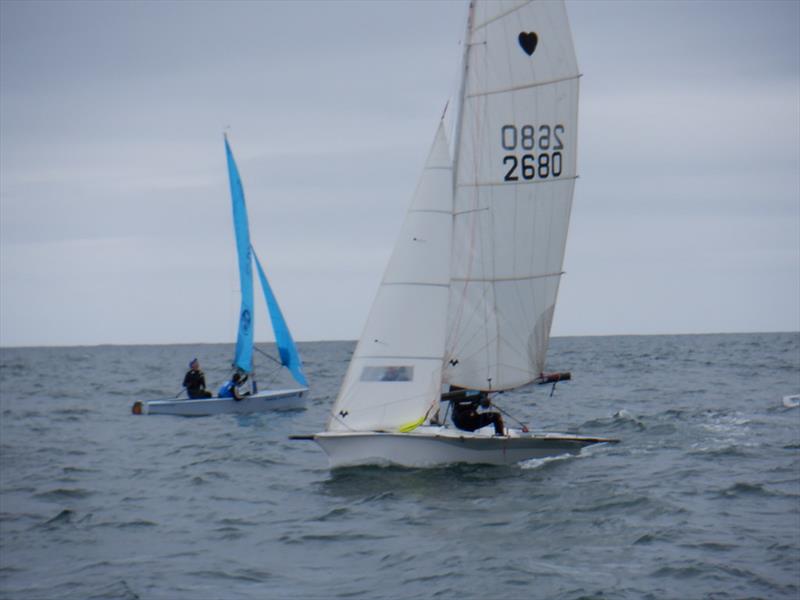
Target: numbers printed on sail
537	151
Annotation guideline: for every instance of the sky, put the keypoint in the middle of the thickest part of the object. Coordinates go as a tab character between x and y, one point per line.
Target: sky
115	223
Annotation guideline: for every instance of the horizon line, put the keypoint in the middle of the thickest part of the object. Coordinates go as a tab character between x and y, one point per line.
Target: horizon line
355	340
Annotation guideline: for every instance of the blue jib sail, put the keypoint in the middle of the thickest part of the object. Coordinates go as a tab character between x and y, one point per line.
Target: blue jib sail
283	339
243	359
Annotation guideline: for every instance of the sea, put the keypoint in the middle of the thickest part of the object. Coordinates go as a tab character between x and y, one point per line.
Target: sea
699	500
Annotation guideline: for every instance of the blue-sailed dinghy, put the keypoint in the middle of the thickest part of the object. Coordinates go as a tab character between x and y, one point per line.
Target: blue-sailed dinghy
466	303
256	401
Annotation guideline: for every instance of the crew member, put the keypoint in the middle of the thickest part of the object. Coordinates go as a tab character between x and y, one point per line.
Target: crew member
195	381
230	389
467	417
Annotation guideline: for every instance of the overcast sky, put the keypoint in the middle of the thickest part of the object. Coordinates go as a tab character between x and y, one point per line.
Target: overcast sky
115	219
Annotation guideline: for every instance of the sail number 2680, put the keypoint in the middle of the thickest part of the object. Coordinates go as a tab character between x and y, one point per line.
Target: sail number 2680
544	158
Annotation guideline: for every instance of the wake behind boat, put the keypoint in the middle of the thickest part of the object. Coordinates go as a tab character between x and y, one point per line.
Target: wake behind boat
467	299
252	401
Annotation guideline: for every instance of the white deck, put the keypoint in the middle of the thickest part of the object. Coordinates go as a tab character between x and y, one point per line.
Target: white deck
436	446
258	403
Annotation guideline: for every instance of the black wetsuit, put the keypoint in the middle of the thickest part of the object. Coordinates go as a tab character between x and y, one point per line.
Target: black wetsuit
467	417
195	384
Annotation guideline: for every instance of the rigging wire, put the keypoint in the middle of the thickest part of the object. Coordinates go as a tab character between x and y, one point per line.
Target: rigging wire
271	376
512	417
269	356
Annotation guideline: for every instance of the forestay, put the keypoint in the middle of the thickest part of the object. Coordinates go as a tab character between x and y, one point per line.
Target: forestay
394	377
514	178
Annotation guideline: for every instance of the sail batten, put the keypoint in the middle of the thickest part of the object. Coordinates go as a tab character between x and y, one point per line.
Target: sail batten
523	87
415	283
501	279
488	184
399	357
501	15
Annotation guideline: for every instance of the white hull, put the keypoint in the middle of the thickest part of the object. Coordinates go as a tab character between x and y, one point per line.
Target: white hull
258	403
438	446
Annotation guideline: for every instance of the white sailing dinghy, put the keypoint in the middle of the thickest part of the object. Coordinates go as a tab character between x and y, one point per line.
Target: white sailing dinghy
467	298
256	401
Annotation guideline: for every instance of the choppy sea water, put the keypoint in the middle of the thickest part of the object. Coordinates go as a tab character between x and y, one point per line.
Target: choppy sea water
700	500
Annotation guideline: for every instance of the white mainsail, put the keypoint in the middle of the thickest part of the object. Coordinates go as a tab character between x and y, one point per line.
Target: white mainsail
514	179
394	377
468	296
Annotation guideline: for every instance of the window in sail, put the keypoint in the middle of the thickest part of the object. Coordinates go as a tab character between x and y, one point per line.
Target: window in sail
404	373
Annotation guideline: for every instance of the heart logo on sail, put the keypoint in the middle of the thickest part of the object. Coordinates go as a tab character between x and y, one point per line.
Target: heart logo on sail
528	41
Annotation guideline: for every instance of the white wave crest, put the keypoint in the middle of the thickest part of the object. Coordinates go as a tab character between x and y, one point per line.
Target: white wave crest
792	401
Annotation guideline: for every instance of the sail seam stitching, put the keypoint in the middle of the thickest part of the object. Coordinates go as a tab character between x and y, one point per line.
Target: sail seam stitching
398	357
498	17
496	183
522	278
525	87
416	283
471	210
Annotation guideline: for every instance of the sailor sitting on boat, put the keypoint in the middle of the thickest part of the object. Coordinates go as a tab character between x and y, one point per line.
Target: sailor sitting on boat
230	389
195	381
465	411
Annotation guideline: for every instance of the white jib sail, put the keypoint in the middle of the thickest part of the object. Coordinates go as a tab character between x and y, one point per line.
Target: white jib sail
394	378
515	167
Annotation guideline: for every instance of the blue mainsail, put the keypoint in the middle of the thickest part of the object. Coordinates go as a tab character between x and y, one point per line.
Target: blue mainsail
243	358
287	350
283	339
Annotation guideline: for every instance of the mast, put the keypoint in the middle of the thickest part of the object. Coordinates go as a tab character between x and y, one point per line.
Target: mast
243	358
461	88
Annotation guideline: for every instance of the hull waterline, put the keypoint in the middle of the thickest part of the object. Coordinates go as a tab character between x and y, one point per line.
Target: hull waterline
439	446
258	403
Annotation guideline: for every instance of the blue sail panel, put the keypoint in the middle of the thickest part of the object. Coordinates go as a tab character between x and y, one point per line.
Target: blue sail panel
243	358
283	339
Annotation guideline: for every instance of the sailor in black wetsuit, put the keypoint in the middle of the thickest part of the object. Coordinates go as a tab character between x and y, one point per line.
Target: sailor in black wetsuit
467	417
195	381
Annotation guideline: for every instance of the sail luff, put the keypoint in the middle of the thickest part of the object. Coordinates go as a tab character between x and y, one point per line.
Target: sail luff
461	94
287	350
243	355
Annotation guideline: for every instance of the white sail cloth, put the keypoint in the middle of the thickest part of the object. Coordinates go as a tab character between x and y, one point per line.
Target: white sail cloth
394	377
515	171
469	293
